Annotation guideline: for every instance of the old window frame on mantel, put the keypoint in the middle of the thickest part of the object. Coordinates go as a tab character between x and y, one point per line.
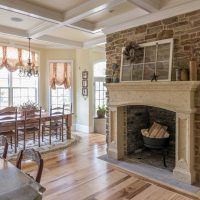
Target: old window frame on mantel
144	45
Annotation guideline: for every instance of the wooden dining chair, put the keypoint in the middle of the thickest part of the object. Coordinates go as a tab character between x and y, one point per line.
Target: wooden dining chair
56	123
4	143
32	124
8	117
31	154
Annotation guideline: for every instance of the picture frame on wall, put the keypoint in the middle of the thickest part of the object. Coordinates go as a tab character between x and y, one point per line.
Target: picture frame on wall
84	83
85	91
85	74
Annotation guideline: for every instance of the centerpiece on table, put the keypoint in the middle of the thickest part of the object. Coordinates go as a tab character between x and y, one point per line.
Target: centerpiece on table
28	107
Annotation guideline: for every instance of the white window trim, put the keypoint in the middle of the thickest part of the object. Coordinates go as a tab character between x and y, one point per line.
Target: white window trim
96	79
147	44
11	87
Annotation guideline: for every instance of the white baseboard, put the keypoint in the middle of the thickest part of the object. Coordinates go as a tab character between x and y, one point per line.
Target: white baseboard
82	128
91	129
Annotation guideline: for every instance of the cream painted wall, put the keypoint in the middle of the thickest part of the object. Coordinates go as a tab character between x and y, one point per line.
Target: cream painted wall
45	56
95	57
82	59
85	59
82	106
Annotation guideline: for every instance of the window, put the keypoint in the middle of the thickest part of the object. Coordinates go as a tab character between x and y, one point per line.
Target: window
60	96
149	59
4	88
15	90
99	80
61	90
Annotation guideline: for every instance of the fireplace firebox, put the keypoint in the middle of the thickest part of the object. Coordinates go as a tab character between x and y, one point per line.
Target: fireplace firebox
148	149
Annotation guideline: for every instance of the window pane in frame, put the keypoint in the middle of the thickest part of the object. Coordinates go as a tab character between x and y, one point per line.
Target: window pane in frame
127	73
162	70
149	70
4	97
60	96
150	54
137	72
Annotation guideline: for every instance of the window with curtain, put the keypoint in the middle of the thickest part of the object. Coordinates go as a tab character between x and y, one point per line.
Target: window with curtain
60	84
16	90
99	88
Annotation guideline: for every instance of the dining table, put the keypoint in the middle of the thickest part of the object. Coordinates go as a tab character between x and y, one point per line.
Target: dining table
45	117
16	185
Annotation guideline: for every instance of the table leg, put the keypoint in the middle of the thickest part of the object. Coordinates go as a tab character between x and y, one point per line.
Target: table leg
39	137
69	124
16	140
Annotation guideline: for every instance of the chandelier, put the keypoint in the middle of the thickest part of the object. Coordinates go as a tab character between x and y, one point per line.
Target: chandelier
30	69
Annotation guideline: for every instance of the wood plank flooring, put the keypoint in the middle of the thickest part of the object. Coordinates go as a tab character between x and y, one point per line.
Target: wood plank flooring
77	174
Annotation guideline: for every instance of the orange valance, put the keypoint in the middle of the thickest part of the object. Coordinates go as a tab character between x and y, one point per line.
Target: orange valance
60	74
14	58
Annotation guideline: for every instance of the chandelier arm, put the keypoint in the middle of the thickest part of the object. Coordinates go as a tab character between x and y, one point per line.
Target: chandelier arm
28	70
29	57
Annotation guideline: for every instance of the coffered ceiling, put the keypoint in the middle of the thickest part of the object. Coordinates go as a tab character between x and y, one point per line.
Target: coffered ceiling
81	23
57	5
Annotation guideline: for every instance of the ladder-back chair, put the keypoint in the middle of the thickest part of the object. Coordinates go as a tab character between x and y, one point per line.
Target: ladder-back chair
8	127
31	154
4	143
32	124
56	123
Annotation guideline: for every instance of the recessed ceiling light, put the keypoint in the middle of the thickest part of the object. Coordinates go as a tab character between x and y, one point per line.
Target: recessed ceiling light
16	19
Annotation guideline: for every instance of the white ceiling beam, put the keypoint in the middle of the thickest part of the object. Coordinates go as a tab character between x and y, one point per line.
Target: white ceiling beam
45	31
25	8
137	12
61	41
41	27
94	42
13	31
89	8
53	40
147	5
159	15
81	12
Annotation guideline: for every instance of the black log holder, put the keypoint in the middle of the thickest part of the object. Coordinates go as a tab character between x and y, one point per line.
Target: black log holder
158	143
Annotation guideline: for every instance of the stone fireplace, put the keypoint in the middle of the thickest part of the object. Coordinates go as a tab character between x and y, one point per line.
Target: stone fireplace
181	98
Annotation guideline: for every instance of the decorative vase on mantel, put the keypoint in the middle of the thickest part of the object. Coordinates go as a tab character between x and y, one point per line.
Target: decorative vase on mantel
193	69
178	74
115	76
184	74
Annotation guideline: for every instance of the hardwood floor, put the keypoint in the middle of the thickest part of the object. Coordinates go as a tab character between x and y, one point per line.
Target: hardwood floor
77	174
